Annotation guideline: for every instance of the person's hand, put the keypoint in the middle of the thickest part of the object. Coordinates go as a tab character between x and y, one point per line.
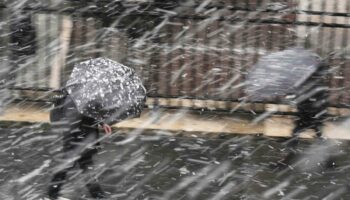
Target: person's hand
107	129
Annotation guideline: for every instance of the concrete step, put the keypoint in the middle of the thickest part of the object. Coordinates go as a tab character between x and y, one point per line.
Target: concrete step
186	121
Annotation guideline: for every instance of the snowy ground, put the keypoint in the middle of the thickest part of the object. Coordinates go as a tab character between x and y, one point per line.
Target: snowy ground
159	165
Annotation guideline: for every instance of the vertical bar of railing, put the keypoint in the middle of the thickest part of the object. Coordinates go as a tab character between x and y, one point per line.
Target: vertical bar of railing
334	60
42	52
106	41
245	54
67	60
346	43
13	58
49	23
229	65
50	49
20	71
99	44
42	39
206	63
76	37
25	60
91	35
334	21
258	4
180	92
33	46
155	70
174	54
146	67
282	37
97	28
295	5
322	29
77	41
148	55
4	50
257	31
343	61
200	87
162	48
60	60
217	64
258	35
194	60
321	40
3	42
225	62
56	58
269	43
307	43
228	60
128	51
71	52
36	71
81	38
85	41
169	57
233	70
183	62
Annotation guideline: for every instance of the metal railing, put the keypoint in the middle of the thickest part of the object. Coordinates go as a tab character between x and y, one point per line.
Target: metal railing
197	51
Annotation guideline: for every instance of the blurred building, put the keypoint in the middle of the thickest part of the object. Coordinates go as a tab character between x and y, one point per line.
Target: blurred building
190	49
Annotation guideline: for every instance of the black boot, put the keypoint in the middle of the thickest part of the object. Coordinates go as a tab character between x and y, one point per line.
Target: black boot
56	184
96	191
291	156
53	191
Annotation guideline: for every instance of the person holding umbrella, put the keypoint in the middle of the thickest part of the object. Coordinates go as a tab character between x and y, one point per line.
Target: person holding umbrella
100	92
296	77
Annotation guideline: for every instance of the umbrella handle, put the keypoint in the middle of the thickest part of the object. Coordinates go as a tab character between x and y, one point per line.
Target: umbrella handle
107	129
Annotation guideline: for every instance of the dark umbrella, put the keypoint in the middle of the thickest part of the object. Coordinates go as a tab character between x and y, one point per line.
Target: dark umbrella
281	73
106	90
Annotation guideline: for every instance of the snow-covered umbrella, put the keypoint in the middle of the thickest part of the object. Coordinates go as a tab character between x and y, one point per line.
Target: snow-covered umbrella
281	73
106	90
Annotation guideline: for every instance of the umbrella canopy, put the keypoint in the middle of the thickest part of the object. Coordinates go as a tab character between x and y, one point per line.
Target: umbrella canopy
106	90
280	74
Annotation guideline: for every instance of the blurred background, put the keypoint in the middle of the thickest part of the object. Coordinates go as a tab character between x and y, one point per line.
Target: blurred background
184	49
189	53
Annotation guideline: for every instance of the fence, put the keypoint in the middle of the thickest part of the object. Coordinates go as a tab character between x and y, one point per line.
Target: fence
181	49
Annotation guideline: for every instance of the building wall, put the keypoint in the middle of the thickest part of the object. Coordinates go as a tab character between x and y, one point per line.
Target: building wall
193	51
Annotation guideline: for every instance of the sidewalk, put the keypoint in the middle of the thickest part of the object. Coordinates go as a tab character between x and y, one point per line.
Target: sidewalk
189	122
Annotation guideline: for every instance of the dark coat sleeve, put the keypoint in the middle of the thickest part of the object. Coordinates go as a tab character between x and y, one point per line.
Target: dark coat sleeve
313	95
73	126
